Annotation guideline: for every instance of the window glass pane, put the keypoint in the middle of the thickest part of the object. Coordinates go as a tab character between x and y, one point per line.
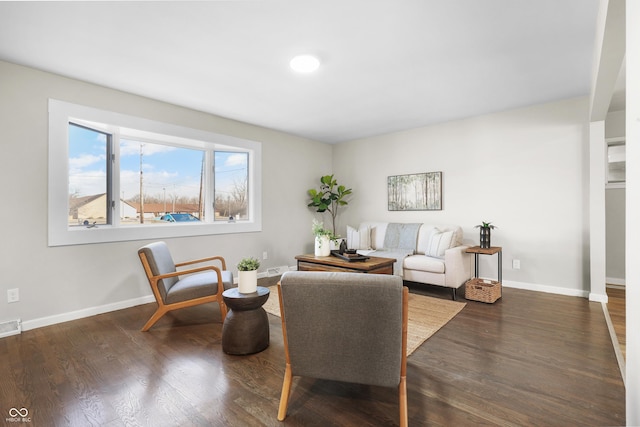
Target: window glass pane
169	178
231	178
88	199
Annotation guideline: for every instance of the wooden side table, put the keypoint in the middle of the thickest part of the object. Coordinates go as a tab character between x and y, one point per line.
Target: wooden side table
246	327
485	295
477	251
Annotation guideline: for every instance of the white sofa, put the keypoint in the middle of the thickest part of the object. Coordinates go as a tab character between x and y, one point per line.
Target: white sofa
439	256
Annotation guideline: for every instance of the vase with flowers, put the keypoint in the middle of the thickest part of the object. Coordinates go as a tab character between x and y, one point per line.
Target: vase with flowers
323	238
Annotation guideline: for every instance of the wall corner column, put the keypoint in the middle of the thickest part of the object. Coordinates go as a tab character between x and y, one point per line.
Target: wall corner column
597	212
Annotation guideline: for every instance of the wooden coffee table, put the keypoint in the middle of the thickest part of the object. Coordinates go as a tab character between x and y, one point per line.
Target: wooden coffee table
373	265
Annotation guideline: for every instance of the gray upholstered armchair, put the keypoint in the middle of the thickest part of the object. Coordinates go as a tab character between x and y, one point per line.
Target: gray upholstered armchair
175	289
348	327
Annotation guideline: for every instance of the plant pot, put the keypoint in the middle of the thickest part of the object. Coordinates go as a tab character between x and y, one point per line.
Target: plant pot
485	237
322	246
248	281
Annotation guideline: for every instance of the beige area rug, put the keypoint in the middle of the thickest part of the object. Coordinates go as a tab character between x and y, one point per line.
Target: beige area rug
426	315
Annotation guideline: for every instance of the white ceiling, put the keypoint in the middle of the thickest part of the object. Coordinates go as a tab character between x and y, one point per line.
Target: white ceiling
386	65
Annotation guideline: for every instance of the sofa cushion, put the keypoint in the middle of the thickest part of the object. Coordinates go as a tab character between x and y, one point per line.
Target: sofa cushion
379	229
424	263
424	238
440	241
360	238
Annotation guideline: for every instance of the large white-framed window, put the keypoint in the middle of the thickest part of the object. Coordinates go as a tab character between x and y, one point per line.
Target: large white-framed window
116	177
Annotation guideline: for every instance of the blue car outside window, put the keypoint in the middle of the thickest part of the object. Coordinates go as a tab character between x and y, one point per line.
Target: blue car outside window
179	217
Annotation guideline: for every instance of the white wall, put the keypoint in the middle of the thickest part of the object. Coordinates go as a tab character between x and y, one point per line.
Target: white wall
632	366
524	170
615	212
57	280
614	124
615	207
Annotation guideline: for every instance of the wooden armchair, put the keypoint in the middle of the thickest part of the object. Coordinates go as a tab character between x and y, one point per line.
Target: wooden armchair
175	289
348	327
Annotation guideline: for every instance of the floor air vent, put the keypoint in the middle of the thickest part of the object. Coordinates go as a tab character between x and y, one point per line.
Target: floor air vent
12	327
276	271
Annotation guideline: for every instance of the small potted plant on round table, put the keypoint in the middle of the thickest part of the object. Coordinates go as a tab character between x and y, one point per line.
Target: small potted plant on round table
248	275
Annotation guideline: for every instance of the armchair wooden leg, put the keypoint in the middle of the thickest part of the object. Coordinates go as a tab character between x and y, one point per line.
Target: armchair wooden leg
161	311
286	392
404	414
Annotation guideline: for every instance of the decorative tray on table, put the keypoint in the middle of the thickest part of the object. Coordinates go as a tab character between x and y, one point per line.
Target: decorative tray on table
349	256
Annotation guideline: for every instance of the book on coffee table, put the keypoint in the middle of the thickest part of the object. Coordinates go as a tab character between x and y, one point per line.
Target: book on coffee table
349	257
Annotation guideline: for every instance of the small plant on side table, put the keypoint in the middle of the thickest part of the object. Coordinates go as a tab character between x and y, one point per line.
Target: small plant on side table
485	234
248	275
248	264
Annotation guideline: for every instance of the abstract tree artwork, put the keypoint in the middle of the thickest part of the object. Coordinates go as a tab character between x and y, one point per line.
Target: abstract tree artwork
415	192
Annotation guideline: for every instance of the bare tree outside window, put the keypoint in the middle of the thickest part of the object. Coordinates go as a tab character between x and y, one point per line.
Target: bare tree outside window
231	190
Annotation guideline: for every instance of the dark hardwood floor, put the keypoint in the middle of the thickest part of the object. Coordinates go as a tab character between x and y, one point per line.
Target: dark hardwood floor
529	359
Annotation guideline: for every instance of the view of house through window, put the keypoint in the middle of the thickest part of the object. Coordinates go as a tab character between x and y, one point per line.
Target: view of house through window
88	167
158	183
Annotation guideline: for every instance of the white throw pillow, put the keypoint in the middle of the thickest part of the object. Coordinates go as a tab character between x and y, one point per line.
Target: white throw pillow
440	242
358	239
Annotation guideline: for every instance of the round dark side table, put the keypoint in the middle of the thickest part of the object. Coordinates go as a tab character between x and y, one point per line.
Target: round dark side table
246	327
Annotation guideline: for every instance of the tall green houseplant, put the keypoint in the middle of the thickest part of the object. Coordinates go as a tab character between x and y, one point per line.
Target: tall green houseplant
329	197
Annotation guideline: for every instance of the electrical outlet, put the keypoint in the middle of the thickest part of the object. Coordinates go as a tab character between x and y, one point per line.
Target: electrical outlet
265	255
516	264
13	295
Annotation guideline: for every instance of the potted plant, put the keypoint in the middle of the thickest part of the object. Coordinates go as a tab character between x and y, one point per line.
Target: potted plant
485	234
323	238
328	198
248	275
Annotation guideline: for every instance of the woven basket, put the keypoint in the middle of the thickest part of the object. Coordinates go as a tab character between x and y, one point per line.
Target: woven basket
483	290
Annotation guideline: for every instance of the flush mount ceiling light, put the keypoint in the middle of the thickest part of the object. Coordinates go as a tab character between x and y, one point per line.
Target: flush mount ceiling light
304	63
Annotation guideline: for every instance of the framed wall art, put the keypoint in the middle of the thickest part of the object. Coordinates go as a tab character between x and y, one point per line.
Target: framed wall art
415	192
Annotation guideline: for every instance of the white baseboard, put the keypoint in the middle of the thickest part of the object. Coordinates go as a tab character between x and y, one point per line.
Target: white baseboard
599	298
615	281
545	288
85	312
92	311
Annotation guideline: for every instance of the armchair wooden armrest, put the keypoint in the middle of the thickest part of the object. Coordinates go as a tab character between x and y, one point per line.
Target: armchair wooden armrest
196	261
192	270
